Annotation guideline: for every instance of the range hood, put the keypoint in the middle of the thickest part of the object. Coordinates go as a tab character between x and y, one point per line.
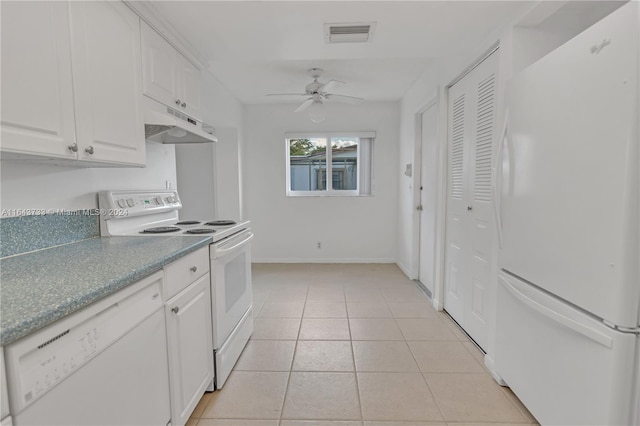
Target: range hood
168	125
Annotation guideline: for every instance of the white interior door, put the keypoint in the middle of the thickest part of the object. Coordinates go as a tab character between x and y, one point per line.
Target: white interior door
469	226
428	196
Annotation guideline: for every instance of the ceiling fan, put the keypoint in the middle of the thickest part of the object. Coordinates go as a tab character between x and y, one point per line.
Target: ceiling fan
317	93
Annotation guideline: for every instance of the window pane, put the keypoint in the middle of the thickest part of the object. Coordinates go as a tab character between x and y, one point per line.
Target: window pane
344	164
308	164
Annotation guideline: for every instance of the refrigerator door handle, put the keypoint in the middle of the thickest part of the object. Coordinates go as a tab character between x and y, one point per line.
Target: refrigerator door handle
563	320
497	178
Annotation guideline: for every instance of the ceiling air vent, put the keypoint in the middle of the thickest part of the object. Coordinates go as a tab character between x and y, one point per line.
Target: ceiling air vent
348	33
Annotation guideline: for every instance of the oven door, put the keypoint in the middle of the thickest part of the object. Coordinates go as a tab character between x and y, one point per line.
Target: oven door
232	293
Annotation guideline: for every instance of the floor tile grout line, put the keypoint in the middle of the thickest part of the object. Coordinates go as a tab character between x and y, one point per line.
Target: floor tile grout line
295	349
355	368
433	395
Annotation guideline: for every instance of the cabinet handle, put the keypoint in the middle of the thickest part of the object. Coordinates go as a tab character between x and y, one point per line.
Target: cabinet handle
178	102
193	268
175	309
89	150
469	208
184	105
73	147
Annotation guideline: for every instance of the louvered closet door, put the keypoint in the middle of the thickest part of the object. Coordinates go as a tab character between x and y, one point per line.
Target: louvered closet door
469	233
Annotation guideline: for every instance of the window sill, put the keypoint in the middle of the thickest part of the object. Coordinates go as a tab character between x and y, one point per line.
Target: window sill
326	194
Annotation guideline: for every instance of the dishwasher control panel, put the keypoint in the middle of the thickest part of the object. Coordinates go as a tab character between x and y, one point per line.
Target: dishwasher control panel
46	371
41	360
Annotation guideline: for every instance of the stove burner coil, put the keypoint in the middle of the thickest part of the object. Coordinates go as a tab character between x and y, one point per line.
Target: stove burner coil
200	231
160	230
221	223
187	222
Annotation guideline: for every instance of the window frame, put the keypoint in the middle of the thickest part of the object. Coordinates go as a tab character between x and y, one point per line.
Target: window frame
328	192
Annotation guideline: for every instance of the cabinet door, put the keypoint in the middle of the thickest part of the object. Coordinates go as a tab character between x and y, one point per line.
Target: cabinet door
159	68
107	80
37	92
190	87
190	341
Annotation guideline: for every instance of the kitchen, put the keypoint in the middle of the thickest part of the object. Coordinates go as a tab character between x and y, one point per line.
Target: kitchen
247	181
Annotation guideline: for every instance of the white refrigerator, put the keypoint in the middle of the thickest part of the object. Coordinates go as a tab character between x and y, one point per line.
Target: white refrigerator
568	308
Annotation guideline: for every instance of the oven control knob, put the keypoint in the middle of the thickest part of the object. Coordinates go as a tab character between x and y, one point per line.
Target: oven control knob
131	202
122	203
159	201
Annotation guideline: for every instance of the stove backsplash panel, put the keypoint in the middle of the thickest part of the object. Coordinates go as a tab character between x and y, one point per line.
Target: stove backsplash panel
24	233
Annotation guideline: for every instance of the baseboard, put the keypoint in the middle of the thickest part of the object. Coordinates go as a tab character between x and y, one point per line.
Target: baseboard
490	364
424	289
404	270
437	304
324	260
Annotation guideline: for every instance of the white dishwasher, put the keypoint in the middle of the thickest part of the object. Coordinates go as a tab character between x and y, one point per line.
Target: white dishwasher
104	365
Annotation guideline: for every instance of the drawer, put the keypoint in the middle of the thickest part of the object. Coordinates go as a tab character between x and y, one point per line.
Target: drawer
184	271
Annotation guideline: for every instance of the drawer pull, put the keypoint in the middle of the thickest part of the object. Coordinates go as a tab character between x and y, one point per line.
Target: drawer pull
193	268
175	309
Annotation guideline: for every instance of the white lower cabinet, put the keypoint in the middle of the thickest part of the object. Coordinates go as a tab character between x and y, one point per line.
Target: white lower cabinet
189	340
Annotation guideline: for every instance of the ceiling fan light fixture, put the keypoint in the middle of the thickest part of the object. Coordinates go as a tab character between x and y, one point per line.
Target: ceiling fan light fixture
316	112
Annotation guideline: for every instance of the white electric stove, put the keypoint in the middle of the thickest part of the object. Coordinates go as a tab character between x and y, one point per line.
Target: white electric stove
155	212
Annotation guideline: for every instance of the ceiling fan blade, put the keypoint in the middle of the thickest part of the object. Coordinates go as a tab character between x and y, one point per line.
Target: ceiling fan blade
304	105
287	94
342	98
331	84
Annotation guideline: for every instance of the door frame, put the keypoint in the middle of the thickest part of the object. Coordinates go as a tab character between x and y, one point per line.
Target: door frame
433	101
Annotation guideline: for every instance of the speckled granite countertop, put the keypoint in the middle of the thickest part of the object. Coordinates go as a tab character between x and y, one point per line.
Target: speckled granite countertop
41	287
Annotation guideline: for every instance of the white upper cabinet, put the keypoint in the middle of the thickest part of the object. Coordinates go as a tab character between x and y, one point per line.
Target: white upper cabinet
107	82
168	76
71	82
37	90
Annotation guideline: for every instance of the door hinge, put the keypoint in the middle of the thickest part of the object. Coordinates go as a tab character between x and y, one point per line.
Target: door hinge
419	207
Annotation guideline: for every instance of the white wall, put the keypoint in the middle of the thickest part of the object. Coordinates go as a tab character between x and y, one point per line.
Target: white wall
26	184
350	229
209	175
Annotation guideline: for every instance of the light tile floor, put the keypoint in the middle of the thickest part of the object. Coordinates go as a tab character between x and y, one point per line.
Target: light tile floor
354	345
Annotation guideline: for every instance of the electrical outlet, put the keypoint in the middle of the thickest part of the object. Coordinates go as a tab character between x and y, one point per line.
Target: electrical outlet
319	245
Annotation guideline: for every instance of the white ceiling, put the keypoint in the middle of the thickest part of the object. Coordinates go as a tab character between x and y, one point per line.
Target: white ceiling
260	47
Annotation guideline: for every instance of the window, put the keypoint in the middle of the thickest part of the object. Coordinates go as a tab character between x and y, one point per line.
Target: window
346	157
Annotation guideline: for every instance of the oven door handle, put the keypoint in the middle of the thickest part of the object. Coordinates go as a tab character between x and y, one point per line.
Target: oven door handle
221	250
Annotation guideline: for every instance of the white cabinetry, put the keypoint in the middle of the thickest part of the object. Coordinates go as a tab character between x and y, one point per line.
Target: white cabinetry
168	77
71	77
189	333
107	82
37	91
